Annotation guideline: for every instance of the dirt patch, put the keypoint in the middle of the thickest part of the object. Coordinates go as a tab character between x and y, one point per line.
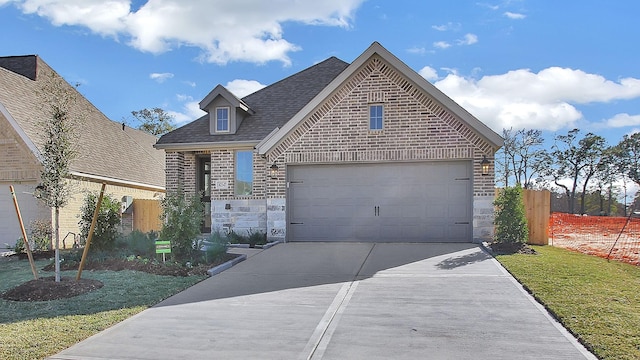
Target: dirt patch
511	248
47	288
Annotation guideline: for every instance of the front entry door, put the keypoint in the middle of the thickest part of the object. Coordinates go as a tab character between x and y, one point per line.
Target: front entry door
203	187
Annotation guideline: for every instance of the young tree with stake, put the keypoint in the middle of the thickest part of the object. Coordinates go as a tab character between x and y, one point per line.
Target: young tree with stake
57	131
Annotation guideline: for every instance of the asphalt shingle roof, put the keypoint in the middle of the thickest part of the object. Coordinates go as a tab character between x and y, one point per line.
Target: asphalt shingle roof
274	105
105	149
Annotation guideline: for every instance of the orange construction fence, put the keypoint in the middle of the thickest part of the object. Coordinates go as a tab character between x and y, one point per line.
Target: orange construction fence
616	238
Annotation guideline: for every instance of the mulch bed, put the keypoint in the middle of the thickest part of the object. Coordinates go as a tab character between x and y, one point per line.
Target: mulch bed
46	288
511	248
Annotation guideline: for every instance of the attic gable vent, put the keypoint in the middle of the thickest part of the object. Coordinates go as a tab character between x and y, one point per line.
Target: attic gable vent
376	97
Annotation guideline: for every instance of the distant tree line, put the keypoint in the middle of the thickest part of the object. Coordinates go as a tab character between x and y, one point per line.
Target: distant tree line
585	174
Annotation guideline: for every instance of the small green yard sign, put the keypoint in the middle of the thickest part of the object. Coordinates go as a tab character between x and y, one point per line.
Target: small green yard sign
163	247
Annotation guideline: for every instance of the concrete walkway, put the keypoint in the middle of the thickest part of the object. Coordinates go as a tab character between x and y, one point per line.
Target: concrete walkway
345	301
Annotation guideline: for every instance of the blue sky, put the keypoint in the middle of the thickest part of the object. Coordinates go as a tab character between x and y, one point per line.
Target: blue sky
542	64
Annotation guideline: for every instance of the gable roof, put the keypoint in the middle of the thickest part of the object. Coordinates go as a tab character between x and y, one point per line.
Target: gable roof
222	91
280	107
107	151
273	105
377	49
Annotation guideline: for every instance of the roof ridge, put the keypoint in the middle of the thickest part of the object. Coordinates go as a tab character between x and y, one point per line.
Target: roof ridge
305	70
140	145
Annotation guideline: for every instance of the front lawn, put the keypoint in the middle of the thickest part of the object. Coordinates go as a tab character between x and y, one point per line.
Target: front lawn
35	330
596	300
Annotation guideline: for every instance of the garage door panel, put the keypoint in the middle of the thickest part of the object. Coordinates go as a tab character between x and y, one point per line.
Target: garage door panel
381	202
458	233
435	232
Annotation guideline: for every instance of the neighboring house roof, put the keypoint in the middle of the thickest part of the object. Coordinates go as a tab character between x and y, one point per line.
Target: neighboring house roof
273	106
107	152
279	108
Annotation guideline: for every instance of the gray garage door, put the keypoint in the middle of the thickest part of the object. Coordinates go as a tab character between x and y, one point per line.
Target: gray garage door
408	202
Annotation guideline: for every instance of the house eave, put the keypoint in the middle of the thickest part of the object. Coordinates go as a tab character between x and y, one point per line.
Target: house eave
118	182
18	129
203	146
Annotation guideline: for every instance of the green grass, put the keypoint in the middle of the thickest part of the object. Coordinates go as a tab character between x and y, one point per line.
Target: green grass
35	330
596	300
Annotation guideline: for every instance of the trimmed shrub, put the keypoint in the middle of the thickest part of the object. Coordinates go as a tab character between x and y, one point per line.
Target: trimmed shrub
140	244
182	223
39	238
510	218
216	247
106	229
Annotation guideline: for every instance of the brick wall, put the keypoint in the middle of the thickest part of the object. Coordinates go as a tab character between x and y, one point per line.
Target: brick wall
416	127
175	171
69	215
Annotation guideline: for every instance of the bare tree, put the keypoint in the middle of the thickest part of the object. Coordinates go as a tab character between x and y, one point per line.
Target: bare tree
607	172
574	160
154	121
504	157
58	149
629	154
594	155
523	156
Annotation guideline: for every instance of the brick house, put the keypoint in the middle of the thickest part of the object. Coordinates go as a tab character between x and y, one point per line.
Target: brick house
109	152
367	151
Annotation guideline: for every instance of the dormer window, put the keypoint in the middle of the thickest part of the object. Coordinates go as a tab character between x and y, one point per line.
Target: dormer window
222	119
226	111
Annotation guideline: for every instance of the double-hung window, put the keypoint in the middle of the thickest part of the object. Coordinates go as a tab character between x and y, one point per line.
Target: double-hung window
244	173
376	117
222	119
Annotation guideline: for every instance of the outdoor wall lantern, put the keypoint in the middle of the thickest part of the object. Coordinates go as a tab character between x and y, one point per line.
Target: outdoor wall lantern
273	171
485	165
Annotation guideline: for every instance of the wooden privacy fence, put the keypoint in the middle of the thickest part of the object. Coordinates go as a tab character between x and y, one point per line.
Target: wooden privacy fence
146	215
537	206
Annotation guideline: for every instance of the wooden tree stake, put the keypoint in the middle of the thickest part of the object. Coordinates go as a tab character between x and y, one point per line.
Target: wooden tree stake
24	234
91	228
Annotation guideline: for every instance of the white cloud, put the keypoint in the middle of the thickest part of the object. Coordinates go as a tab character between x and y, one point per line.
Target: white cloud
447	27
190	110
545	100
428	73
469	39
242	88
441	44
160	77
417	50
183	97
514	16
489	6
102	17
623	120
242	30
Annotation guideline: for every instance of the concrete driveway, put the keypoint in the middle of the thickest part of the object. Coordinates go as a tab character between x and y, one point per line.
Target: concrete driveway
345	301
